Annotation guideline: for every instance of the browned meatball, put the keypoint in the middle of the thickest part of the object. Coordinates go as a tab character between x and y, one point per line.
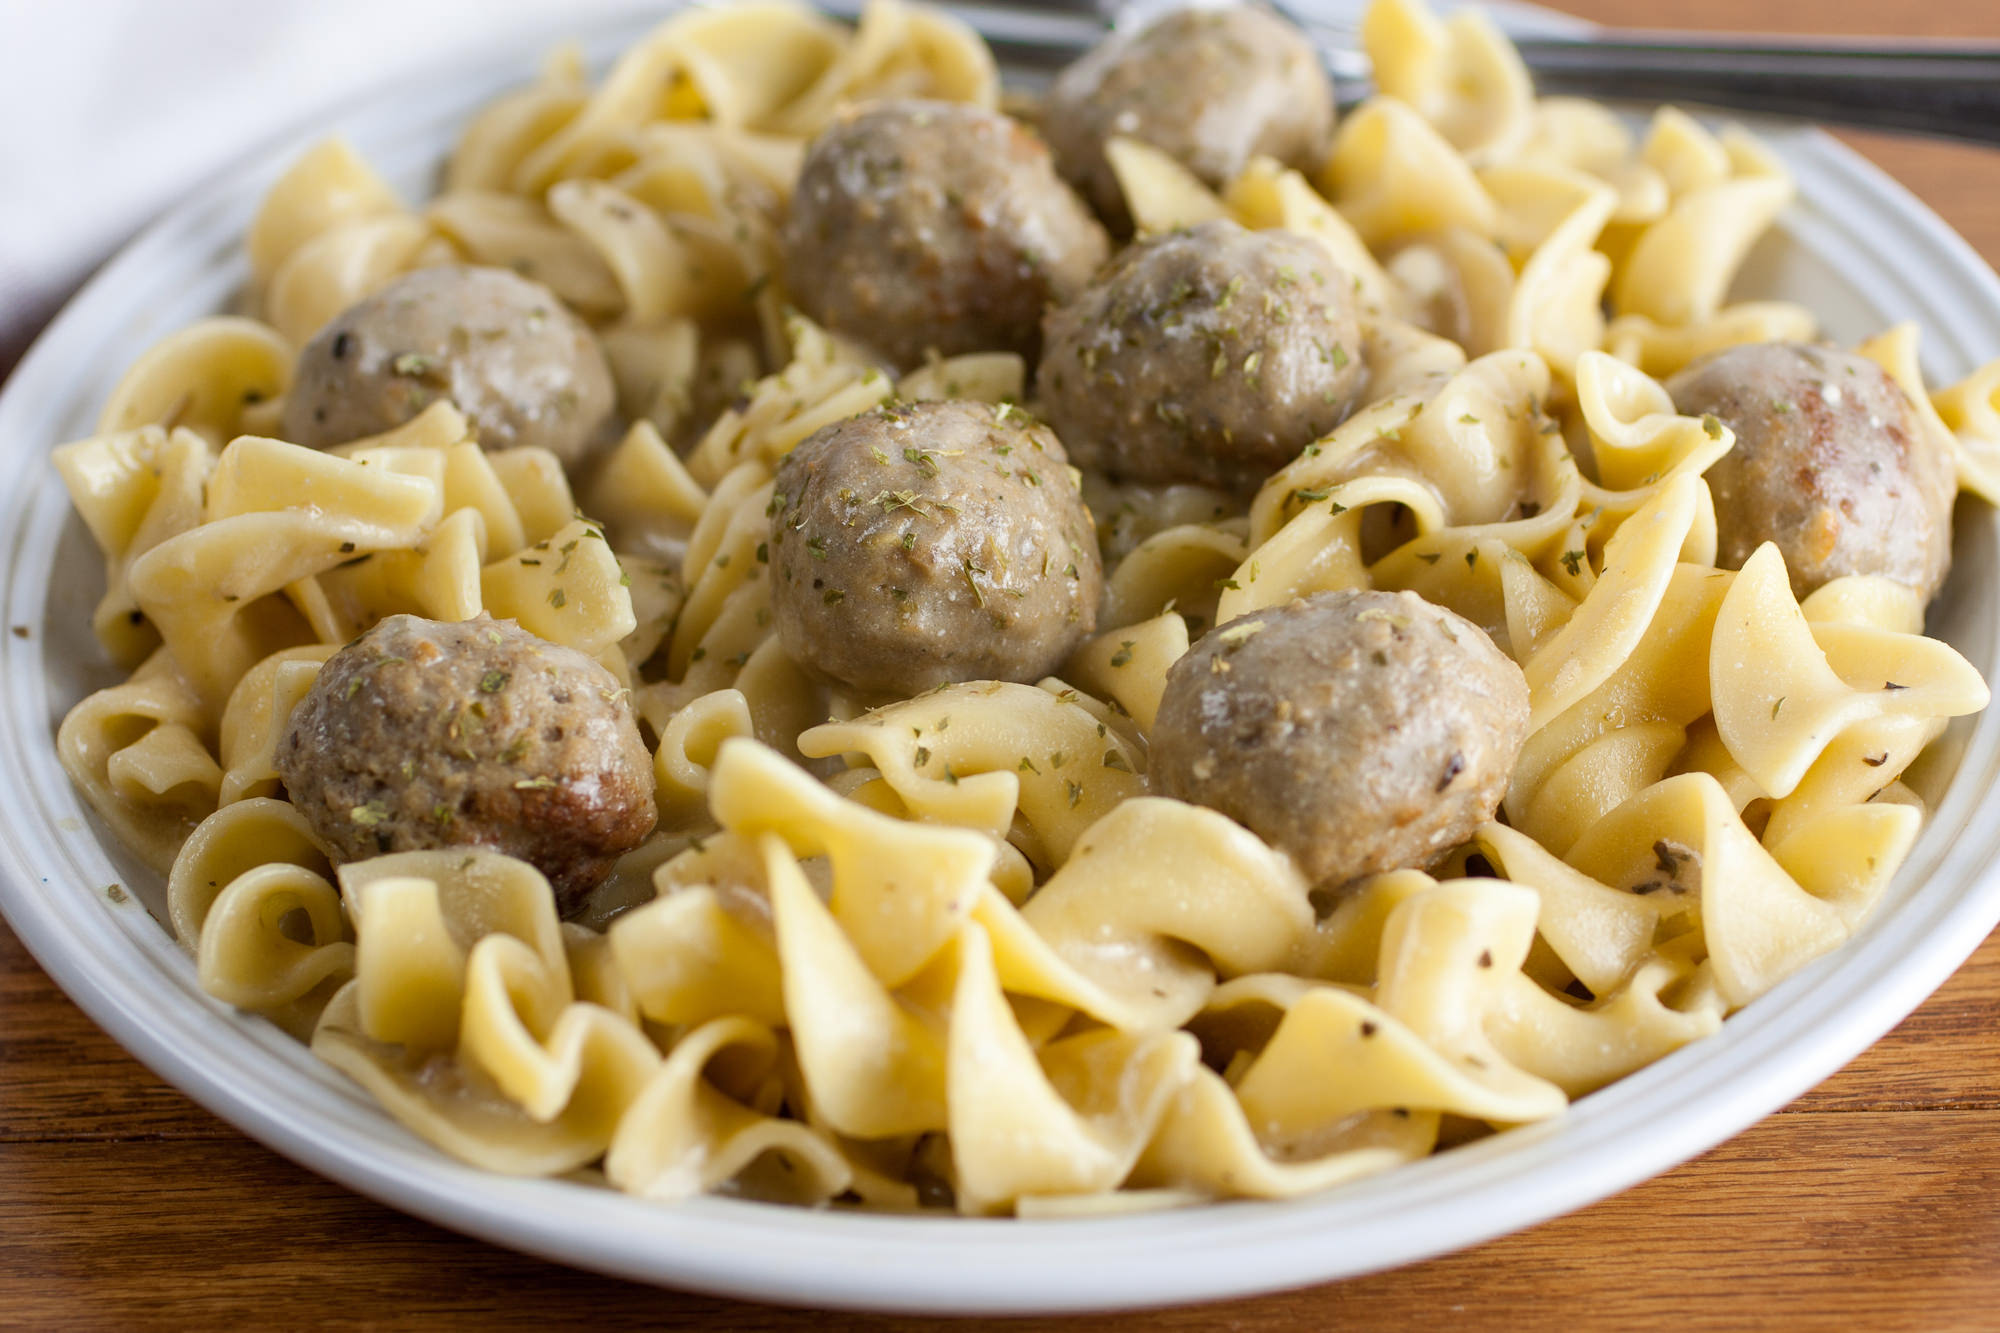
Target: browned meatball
503	349
422	734
1357	731
924	543
1211	88
920	226
1210	355
1831	462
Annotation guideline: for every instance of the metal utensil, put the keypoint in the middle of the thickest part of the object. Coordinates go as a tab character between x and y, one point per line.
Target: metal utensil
1947	88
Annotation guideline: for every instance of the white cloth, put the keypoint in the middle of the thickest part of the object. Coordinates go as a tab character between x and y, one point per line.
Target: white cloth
113	110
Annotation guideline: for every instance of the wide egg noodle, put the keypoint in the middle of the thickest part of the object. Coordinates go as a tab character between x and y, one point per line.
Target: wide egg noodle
1970	410
978	754
207	378
340	267
950	951
898	891
644	494
512	125
275	513
133	490
330	233
898	50
1392	174
825	380
1587	136
468	1032
1724	193
1267	195
685	1134
657	270
329	186
250	896
508	231
1636	436
1624	734
135	752
1779	698
1550	219
1662	349
1127	665
1070	1119
255	718
1462	75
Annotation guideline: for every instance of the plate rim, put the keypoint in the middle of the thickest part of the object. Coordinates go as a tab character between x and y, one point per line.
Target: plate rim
719	1241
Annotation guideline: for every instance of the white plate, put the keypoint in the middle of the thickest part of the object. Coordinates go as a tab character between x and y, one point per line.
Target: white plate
1857	248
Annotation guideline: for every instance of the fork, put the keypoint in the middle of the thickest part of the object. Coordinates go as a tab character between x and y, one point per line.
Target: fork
1946	88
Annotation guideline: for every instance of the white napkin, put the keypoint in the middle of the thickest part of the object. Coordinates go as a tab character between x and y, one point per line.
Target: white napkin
113	110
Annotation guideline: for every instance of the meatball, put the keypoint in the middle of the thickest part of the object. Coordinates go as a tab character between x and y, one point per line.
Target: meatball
931	226
1831	462
423	734
925	543
504	350
1356	731
1211	88
1210	355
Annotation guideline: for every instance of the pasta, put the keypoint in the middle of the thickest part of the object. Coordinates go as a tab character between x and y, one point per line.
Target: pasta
958	949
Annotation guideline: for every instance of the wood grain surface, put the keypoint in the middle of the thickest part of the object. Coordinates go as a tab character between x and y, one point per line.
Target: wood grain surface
1871	1202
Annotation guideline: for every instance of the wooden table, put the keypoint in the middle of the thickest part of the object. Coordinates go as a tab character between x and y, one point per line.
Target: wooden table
1873	1201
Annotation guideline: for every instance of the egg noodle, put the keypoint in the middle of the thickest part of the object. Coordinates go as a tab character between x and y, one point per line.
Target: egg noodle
950	951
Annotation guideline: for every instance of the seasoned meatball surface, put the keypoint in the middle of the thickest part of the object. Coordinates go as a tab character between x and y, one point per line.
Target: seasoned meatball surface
920	226
503	349
1211	354
925	543
422	734
1357	731
1831	462
1211	88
